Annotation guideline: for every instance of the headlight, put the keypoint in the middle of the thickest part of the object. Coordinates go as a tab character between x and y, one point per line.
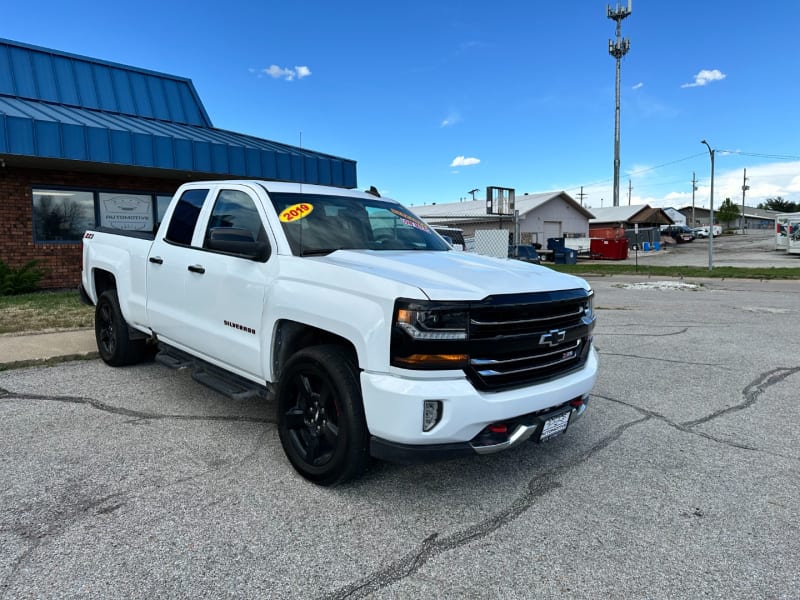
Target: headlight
429	335
440	323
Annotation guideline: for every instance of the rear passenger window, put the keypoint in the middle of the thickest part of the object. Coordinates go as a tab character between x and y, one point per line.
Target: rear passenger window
184	217
236	210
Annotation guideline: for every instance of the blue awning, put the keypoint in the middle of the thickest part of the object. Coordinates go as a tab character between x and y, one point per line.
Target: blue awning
60	106
37	129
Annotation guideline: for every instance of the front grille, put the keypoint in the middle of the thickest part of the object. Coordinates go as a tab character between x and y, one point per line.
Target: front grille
519	340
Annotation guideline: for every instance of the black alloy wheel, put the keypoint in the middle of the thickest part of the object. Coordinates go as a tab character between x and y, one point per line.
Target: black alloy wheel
321	417
114	343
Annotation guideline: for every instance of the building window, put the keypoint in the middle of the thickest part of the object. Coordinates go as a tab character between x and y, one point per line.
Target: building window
62	215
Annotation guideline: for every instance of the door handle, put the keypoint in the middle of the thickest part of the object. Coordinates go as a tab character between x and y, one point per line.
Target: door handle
197	269
156	260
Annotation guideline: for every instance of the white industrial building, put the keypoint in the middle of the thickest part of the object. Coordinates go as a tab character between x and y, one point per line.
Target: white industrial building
540	216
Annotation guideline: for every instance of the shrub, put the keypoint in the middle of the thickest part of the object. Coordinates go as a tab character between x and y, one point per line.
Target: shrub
19	281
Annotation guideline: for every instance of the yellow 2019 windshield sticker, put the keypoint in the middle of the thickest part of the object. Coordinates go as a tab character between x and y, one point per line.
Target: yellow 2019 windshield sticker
296	212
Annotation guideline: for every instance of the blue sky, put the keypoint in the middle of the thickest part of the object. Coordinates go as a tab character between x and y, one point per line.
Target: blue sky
434	99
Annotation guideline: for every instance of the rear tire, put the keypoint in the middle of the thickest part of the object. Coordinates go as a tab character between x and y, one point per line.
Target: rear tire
321	419
114	343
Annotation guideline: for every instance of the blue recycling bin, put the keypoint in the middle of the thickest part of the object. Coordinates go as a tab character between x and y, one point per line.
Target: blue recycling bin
565	256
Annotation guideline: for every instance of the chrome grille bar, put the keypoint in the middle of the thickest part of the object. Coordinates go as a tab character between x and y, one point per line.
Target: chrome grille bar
493	373
576	313
484	362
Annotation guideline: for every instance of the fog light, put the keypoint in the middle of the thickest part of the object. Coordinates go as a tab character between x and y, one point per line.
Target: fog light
431	414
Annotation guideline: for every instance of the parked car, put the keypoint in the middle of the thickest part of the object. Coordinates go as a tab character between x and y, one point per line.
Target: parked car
525	253
702	232
679	233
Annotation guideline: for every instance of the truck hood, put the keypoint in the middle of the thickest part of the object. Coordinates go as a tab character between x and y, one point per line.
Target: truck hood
454	275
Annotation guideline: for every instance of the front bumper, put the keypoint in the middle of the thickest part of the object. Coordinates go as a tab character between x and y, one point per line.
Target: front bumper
393	408
519	431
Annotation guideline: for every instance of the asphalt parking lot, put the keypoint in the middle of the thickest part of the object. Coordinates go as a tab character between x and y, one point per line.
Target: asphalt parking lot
755	249
682	480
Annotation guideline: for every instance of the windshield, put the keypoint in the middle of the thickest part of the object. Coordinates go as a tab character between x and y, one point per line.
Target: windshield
320	224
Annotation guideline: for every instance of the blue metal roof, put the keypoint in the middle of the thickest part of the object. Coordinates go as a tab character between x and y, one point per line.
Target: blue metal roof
60	106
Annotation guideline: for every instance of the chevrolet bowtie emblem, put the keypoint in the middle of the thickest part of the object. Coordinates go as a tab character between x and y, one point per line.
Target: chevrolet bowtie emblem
553	338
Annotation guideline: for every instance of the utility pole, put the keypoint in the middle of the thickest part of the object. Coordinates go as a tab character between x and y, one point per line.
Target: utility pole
694	189
630	189
745	187
711	153
618	49
581	196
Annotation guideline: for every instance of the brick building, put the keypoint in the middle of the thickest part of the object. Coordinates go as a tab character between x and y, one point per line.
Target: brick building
87	143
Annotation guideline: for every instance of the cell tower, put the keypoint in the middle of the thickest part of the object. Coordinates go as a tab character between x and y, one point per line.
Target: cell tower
618	49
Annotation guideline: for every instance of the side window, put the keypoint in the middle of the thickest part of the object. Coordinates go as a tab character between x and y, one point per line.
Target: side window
235	209
184	217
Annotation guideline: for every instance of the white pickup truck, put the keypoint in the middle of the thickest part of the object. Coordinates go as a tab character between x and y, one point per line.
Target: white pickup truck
373	336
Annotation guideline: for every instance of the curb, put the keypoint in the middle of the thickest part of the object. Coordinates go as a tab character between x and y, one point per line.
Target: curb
46	362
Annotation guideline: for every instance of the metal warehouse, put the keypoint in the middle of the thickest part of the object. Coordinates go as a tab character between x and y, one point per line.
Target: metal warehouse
86	143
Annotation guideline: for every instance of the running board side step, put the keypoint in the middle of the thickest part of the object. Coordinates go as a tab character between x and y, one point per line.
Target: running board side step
219	380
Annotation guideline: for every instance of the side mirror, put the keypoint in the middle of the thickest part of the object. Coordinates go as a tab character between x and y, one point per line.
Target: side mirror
237	241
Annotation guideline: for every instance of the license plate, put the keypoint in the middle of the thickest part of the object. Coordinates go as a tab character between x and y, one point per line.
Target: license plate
555	426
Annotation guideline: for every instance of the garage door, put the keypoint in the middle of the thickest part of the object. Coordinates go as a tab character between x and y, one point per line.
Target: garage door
552	229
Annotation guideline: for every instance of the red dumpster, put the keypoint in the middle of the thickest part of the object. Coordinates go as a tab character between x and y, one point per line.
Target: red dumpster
609	249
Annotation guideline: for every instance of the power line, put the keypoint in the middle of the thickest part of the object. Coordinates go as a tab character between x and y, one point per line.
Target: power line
674	162
759	155
640	171
684	159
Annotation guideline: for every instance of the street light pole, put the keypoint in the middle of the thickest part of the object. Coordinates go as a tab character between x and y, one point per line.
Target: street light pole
711	216
745	187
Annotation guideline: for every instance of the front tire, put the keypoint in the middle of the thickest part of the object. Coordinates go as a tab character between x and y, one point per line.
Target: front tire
321	415
114	343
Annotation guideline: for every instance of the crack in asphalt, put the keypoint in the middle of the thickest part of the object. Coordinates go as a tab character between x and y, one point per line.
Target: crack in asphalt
662	359
69	513
751	392
649	335
126	412
434	545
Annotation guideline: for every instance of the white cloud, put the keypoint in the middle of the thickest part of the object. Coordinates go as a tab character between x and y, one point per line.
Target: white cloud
705	77
451	120
286	74
638	86
462	161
